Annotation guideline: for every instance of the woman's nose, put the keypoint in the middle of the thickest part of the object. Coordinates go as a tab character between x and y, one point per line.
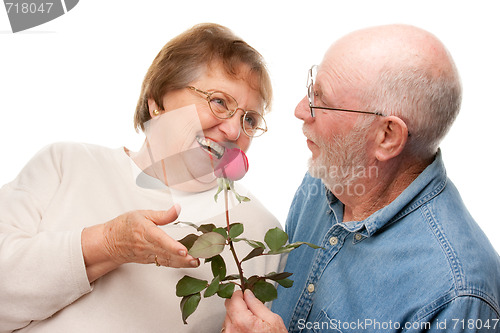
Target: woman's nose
231	127
302	110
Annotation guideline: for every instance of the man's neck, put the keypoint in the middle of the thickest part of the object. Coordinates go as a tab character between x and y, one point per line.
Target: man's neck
379	191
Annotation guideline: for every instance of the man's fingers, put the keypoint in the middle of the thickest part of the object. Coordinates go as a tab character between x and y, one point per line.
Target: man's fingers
270	322
257	308
236	302
238	318
236	306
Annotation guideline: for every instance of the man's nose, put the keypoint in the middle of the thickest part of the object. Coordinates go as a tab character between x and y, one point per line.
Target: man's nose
302	110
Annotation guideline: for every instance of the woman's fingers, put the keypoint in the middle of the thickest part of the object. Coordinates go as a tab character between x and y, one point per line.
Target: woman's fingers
168	251
135	237
162	217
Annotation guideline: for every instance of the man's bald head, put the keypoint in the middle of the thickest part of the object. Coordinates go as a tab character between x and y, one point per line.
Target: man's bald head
400	70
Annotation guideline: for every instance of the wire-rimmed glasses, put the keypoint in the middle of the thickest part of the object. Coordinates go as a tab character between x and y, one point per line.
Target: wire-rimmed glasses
311	94
224	106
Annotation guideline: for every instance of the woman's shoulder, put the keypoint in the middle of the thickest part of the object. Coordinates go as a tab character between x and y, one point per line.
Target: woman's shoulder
67	147
64	155
61	152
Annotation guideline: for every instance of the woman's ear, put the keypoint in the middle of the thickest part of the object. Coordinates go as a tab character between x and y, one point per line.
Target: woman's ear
391	138
154	110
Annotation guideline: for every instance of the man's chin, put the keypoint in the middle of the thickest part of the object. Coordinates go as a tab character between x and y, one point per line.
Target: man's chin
316	169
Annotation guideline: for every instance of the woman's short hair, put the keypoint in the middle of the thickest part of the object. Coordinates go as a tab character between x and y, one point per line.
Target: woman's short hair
185	58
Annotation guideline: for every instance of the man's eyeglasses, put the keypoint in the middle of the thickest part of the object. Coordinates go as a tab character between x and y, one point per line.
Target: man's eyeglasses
311	95
224	106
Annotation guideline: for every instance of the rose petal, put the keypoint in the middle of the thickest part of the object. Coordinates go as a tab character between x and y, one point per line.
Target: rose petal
233	165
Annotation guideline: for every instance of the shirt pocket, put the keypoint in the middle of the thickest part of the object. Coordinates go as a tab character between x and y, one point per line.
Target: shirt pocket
324	324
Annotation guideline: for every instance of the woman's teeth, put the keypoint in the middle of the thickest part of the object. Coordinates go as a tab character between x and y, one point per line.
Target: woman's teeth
210	146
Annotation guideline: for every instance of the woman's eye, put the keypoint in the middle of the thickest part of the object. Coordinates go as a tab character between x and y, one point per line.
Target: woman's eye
218	101
250	121
219	105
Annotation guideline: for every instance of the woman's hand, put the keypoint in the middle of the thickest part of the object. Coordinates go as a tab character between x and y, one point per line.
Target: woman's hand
133	237
246	314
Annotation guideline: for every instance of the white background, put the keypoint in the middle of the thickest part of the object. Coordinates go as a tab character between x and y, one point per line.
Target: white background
78	77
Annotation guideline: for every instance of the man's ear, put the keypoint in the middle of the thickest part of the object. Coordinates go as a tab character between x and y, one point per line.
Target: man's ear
391	138
154	110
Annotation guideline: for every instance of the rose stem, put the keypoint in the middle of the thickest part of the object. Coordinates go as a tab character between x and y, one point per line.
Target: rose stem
231	246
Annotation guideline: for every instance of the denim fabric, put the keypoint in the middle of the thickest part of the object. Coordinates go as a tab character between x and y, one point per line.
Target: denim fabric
419	264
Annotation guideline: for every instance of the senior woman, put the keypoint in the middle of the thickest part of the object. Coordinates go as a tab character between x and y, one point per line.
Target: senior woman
84	228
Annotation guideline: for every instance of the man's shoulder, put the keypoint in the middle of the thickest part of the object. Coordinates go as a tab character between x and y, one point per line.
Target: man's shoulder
457	253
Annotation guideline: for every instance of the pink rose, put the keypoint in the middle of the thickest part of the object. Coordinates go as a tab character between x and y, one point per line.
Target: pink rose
233	165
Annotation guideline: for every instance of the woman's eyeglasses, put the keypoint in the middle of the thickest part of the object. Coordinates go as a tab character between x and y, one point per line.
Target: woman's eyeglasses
224	106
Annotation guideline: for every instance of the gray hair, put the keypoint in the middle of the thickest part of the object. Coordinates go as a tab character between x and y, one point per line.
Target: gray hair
426	98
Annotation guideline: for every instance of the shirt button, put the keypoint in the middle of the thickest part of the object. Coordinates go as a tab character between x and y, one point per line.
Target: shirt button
310	288
334	240
358	237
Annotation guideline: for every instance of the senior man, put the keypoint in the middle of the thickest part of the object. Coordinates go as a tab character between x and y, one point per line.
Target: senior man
401	251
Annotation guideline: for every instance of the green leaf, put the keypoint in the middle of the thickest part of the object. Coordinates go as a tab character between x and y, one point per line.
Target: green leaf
189	305
241	198
297	244
226	184
204	228
235	230
231	277
221	231
238	197
208	245
253	280
218	267
277	276
284	249
189	240
252	243
254	253
275	238
189	286
190	224
289	247
286	283
226	290
220	182
212	288
264	291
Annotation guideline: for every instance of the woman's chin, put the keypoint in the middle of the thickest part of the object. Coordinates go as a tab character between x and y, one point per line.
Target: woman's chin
200	184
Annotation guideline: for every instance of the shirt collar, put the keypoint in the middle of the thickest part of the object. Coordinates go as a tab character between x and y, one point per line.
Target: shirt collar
425	187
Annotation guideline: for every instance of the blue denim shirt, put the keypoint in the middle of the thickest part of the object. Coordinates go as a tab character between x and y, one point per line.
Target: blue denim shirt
419	264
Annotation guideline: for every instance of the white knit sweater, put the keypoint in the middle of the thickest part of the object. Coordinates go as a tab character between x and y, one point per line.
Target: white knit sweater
43	282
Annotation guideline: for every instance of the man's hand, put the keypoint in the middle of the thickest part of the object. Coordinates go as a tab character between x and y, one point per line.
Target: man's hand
245	313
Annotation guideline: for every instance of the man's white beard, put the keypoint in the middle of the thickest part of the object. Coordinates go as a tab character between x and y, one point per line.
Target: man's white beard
342	160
